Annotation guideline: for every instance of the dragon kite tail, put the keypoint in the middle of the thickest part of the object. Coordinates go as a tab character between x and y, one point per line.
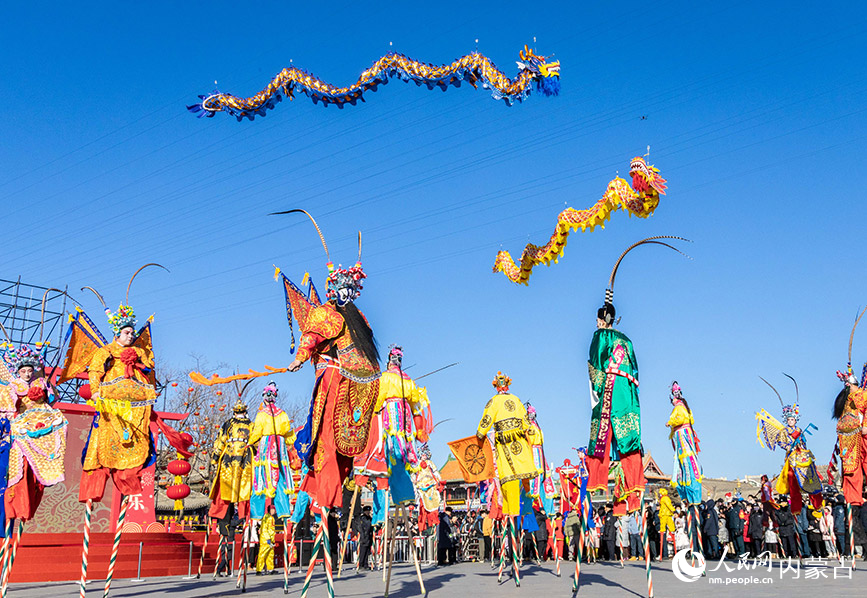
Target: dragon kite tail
475	68
640	200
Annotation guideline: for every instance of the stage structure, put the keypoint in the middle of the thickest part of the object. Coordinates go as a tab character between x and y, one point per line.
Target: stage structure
21	314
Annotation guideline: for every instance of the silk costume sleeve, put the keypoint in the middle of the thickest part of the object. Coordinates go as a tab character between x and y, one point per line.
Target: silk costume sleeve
219	447
488	418
96	370
255	431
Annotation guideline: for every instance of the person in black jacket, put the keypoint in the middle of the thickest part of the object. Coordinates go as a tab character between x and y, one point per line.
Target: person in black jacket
786	523
541	533
609	533
756	530
735	526
710	528
364	528
445	532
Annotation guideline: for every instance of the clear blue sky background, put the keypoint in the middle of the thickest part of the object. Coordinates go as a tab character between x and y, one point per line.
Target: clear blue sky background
755	113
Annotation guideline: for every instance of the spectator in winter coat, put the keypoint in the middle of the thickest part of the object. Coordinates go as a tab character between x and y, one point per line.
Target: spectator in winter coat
633	529
786	522
445	533
802	524
364	528
839	514
710	528
609	533
756	531
735	526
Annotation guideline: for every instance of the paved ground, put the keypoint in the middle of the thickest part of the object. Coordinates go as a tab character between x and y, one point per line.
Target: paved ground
479	581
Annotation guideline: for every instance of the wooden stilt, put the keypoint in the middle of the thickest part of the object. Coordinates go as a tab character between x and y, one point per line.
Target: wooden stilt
385	539
413	551
88	513
286	525
114	548
346	534
204	548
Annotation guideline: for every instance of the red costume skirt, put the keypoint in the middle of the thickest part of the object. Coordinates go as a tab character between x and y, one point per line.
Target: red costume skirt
324	481
854	482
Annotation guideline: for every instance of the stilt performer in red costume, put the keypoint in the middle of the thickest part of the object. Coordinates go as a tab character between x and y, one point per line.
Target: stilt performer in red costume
338	341
122	381
615	425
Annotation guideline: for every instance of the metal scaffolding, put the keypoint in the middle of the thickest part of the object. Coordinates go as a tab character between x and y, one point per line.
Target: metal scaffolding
22	316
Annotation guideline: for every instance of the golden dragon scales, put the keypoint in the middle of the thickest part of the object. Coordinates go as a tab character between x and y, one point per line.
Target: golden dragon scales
641	199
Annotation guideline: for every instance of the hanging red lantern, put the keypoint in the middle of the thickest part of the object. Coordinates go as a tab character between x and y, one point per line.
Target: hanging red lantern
196	413
179	492
222	408
219	393
201	466
178	467
84	391
212	405
190	389
174	384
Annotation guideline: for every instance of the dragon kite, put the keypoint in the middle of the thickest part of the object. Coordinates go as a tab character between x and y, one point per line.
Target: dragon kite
641	200
473	68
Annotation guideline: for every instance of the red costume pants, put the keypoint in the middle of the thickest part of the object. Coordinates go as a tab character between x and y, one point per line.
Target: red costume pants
633	472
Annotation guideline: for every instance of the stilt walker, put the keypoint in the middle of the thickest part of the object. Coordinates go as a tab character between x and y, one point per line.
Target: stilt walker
615	425
204	549
122	378
799	471
850	411
338	341
687	468
34	436
513	434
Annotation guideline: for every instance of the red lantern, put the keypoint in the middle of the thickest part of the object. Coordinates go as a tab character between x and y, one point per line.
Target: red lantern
196	413
219	393
201	466
84	391
174	384
212	405
190	389
222	408
179	492
178	467
186	403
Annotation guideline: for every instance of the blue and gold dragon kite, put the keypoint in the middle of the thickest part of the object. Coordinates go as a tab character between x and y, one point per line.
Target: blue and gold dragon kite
473	68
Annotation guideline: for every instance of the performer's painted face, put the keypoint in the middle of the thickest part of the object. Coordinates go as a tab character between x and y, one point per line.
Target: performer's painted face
26	373
602	324
791	422
126	336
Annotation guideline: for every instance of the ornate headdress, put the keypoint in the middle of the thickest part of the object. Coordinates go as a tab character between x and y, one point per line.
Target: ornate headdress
395	355
23	356
607	311
343	285
676	392
269	393
240	408
531	412
124	317
848	377
502	382
788	410
423	452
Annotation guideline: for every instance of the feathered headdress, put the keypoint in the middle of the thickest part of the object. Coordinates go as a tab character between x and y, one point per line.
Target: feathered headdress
22	356
607	311
502	382
793	410
343	285
125	316
848	377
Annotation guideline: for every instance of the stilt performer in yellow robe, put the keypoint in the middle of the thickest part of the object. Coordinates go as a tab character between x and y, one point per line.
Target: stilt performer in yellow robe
122	381
232	462
513	437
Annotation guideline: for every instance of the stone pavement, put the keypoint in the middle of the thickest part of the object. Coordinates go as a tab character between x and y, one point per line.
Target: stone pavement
478	580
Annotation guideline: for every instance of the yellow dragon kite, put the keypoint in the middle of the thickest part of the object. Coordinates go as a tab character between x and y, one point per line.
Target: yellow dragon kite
641	200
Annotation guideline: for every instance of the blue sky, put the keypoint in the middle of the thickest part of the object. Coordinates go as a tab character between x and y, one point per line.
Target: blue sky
755	113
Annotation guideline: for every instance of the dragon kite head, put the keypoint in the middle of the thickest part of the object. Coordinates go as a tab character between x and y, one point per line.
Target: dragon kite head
645	178
546	74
